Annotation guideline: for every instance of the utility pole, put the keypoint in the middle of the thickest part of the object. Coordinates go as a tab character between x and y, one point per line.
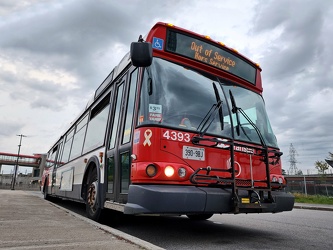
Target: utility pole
16	166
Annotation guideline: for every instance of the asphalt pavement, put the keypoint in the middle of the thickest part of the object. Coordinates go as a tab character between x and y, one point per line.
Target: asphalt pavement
27	221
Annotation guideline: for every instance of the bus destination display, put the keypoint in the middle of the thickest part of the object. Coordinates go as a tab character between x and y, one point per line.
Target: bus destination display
209	54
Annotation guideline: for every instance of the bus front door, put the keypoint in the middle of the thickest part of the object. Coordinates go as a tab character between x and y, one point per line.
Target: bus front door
118	155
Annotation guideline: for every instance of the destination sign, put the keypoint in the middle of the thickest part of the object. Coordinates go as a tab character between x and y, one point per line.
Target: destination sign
207	53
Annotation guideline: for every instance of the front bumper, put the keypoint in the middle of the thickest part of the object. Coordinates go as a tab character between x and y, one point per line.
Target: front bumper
167	199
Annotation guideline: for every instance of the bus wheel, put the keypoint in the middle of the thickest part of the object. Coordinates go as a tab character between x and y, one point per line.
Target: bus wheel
46	195
199	216
92	207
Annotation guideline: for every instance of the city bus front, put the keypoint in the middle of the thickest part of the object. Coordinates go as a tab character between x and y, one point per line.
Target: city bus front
203	144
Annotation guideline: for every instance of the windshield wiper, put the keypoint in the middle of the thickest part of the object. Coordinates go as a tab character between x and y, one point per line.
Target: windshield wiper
235	110
218	98
210	116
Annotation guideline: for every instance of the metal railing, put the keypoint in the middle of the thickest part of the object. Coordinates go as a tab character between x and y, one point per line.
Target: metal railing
22	160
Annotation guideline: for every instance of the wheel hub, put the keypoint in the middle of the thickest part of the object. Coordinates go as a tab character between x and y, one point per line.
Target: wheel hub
92	194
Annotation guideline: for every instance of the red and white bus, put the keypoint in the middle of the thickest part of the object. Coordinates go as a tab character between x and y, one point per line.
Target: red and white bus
178	127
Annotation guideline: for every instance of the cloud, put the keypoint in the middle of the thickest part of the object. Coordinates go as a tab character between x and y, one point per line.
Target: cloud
55	53
298	74
9	128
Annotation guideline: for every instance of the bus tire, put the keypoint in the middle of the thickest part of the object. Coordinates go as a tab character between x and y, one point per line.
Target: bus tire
199	216
93	209
46	195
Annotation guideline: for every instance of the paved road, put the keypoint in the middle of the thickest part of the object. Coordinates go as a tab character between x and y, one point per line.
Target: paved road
298	229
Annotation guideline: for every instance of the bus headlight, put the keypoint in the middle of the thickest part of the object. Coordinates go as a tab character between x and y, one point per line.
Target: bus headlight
151	170
274	179
169	171
181	172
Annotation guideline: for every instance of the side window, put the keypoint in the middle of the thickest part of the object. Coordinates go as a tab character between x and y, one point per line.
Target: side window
67	147
79	138
130	108
125	172
60	149
97	125
111	167
51	157
116	116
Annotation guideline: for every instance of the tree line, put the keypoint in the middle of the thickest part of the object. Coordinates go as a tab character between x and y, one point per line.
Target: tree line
322	166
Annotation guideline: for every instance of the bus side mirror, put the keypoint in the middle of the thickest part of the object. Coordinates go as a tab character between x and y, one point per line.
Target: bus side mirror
141	54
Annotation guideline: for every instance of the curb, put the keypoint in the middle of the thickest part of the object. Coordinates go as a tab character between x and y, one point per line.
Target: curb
134	240
313	207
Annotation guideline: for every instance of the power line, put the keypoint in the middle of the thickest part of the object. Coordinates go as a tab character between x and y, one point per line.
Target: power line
292	160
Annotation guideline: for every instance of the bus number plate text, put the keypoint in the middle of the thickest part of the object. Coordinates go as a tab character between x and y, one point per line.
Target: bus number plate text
193	153
176	136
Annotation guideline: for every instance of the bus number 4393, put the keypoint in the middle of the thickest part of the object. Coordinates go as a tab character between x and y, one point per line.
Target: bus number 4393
176	136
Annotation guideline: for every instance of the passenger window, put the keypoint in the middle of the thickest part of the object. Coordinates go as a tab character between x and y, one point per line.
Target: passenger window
51	157
96	130
95	135
110	174
67	147
125	172
79	138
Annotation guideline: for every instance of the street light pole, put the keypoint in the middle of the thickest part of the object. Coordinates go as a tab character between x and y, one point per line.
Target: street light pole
16	166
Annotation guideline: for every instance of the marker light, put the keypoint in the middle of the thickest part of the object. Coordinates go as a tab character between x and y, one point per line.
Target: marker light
101	157
181	172
169	171
151	170
170	24
133	156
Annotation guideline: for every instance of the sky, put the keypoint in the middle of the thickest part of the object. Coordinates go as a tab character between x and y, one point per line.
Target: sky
55	53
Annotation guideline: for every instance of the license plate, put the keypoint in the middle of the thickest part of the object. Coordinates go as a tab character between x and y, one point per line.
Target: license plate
193	153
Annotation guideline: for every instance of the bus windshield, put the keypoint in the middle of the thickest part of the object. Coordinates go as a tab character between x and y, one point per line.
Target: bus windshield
177	97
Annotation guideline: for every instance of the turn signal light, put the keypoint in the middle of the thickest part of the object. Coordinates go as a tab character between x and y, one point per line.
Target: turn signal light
151	170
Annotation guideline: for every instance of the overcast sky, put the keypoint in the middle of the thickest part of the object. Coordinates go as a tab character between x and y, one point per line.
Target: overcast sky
55	53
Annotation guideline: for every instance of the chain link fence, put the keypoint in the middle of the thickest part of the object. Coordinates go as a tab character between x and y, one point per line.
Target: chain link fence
310	185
